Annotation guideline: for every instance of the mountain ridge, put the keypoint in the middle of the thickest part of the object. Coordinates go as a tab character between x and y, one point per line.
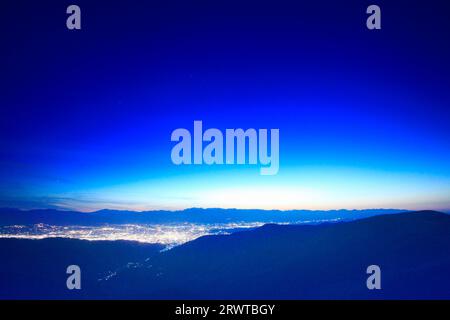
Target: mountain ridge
193	215
324	261
315	261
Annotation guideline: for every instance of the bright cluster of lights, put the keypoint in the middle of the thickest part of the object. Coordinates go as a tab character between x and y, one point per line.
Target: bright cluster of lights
166	234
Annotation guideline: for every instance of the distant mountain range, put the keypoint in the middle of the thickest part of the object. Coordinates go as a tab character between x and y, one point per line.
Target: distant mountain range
323	261
193	215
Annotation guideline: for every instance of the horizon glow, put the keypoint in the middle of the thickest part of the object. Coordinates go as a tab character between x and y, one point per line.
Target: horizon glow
307	188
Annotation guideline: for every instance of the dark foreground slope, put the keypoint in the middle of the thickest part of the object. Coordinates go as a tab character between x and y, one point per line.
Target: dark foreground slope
36	269
325	261
303	262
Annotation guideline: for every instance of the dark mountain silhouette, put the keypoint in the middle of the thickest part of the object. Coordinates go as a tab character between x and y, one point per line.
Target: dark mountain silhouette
324	261
193	215
36	269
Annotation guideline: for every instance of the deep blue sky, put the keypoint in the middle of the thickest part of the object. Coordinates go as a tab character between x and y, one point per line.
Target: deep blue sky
86	116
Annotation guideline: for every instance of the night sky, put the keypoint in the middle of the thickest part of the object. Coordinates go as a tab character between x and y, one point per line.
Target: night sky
86	115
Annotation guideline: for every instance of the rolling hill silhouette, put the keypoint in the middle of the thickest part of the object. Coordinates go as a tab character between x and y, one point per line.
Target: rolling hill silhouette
326	261
36	269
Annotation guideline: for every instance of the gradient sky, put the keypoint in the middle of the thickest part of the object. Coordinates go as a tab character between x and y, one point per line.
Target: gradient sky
86	116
